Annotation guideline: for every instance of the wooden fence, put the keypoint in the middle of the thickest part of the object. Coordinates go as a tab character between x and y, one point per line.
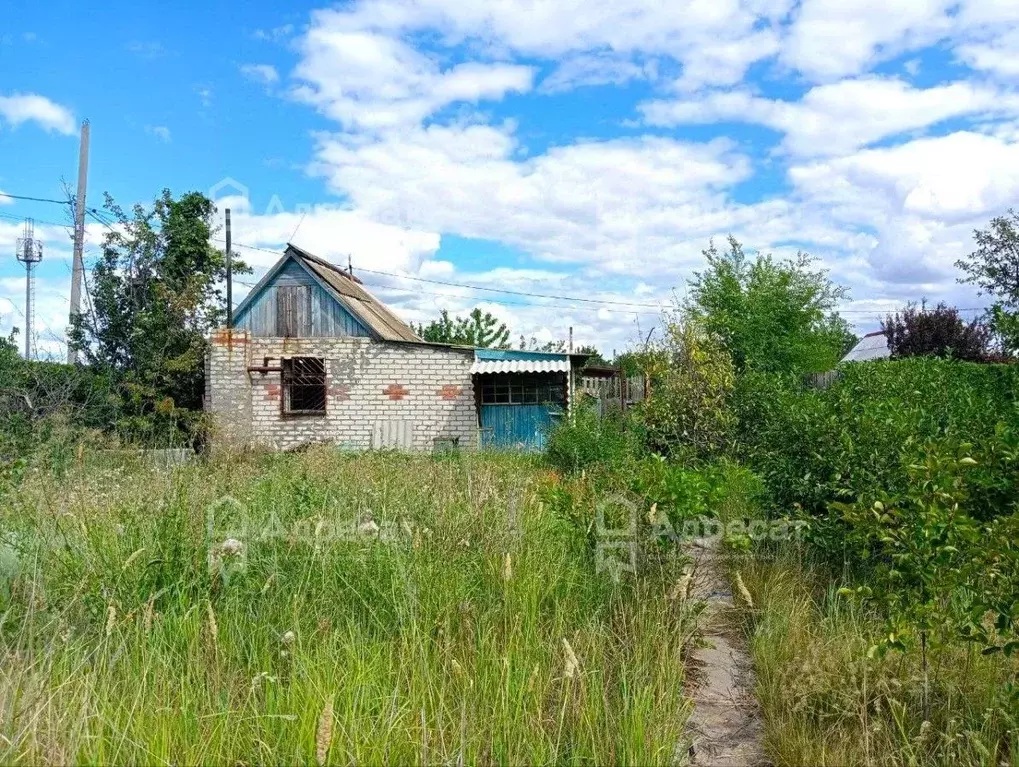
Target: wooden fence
615	393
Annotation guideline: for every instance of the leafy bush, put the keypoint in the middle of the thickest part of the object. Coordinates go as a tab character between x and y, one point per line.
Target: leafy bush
692	377
937	332
586	439
813	446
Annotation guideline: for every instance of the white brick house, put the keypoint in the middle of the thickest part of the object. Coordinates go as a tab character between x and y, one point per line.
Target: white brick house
313	357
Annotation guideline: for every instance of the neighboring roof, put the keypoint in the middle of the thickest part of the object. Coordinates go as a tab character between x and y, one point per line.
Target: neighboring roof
601	371
873	346
519	361
380	321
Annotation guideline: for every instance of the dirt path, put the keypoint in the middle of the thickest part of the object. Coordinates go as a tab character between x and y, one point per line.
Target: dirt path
725	726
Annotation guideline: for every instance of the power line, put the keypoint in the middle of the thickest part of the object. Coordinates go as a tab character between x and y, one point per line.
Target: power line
34	199
548	296
19	219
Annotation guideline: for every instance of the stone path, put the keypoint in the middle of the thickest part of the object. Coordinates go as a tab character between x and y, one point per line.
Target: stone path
726	726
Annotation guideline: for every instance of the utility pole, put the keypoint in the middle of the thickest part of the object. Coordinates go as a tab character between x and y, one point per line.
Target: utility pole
78	267
29	252
229	277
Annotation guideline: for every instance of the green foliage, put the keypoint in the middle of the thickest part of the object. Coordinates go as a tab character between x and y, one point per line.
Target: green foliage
937	332
477	329
156	294
585	439
772	316
692	378
468	623
813	446
46	405
994	268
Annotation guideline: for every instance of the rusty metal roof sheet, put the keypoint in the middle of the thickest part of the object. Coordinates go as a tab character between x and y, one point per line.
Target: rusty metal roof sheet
375	315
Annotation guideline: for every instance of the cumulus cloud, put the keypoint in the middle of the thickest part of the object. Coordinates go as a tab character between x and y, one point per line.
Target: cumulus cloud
20	108
922	198
841	117
369	80
602	203
829	39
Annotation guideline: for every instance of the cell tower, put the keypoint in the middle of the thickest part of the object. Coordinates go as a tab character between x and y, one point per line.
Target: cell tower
29	253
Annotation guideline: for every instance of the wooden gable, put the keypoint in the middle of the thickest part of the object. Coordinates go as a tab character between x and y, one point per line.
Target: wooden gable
291	302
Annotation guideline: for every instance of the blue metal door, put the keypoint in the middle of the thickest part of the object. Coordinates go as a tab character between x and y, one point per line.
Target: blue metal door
520	427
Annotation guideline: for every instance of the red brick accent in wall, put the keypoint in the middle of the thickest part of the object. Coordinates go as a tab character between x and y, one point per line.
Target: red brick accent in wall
226	337
396	391
339	391
272	392
450	391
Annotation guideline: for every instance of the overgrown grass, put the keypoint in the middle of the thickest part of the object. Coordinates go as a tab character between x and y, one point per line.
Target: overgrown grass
827	700
377	609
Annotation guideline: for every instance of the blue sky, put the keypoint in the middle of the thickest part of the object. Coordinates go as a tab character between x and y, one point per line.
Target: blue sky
575	147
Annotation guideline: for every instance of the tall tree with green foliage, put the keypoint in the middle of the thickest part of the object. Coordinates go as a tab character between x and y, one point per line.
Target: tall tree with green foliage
771	315
994	268
156	292
477	329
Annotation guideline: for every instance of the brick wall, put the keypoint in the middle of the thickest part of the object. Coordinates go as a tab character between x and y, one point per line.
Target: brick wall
371	388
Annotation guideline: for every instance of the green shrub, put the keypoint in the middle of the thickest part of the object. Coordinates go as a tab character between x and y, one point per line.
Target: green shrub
692	379
586	439
813	446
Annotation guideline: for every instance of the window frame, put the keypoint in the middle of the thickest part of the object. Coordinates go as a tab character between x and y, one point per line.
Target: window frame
319	379
517	389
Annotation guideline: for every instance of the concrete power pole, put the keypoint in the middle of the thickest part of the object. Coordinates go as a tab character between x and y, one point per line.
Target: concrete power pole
29	252
78	267
229	276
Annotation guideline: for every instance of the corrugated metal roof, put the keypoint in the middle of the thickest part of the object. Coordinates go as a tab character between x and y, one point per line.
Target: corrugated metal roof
873	346
362	304
559	364
517	354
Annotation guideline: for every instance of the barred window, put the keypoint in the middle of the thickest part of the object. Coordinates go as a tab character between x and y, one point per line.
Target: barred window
304	386
523	390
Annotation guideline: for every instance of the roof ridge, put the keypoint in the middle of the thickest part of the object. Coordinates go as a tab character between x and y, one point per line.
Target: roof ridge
327	264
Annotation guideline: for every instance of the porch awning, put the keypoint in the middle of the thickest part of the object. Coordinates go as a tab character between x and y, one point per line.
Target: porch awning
521	366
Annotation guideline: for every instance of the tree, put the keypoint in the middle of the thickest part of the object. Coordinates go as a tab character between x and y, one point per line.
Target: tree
772	316
479	330
532	344
692	379
156	293
994	268
937	332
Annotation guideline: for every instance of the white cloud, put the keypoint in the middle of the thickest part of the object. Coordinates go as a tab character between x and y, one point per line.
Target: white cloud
19	108
330	232
829	39
596	69
4	199
922	199
261	73
602	203
369	80
161	132
274	34
841	117
204	93
998	56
